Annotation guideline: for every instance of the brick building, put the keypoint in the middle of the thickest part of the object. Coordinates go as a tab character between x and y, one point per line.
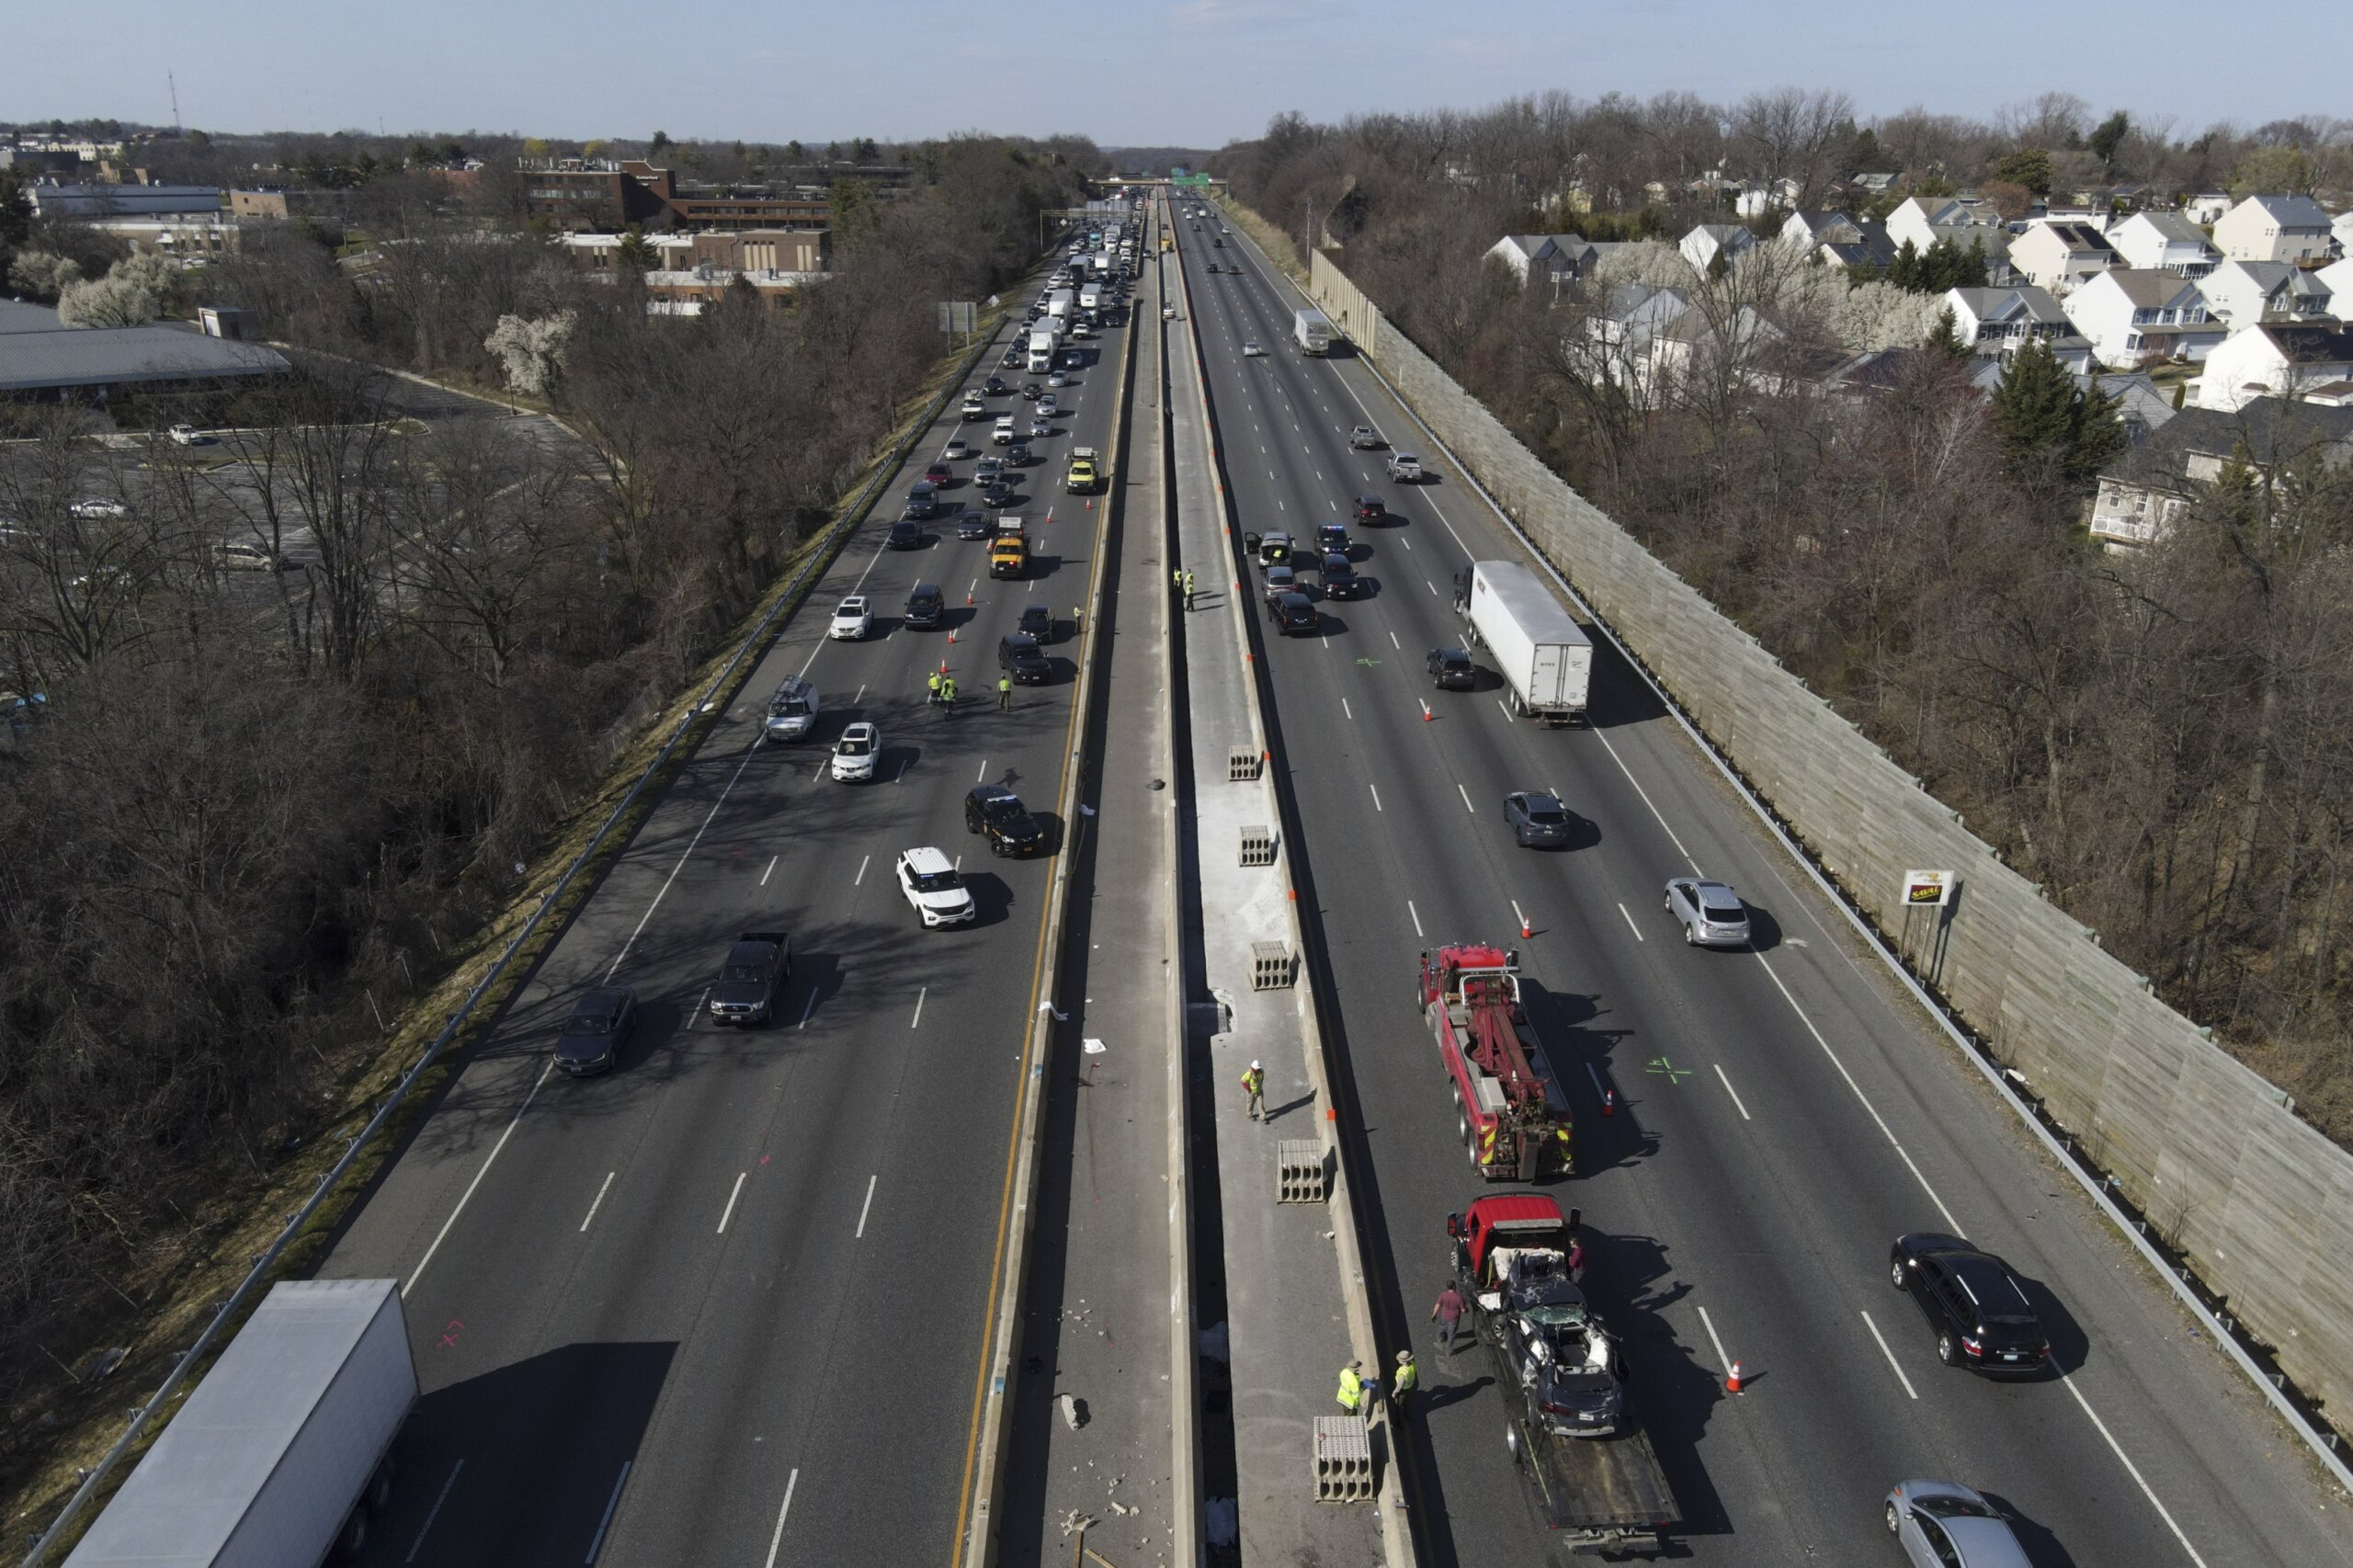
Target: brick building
577	194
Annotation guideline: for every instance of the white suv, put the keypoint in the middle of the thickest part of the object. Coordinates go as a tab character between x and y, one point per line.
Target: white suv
855	753
932	885
853	620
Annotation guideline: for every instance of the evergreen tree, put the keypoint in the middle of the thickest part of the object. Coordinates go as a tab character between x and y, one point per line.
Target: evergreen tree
1905	270
1972	272
1947	340
2028	166
2098	433
1940	269
2110	137
2035	410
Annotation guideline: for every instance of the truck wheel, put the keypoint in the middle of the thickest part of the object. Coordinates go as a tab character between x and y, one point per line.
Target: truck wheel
380	1485
1462	1125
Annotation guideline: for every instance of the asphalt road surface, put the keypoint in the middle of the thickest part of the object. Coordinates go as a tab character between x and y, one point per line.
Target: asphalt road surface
1780	1118
726	1305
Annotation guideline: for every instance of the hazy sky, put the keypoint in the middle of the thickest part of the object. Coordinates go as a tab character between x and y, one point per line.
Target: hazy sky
1191	72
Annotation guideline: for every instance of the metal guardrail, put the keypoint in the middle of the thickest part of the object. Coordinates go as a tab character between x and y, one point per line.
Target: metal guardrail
753	647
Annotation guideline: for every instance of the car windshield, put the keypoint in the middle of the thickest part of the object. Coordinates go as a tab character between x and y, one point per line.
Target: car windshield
1003	808
590	1023
745	972
938	882
856	745
1944	1506
789	707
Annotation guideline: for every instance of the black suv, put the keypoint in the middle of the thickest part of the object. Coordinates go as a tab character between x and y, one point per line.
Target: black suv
1981	1313
1294	615
925	605
600	1025
1019	655
923	500
1337	579
1370	509
1038	621
1451	669
906	534
995	387
997	814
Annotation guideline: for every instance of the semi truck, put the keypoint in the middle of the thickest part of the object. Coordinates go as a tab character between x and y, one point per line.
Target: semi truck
283	1453
1591	1474
1512	1114
1544	656
1041	352
1060	303
1312	330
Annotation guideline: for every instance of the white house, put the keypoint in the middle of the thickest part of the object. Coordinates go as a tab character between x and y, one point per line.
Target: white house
2342	227
2337	278
2145	491
2166	242
2000	321
1525	254
2060	256
1922	220
2242	293
2275	359
1706	241
2133	314
2274	228
1812	231
1616	347
2205	206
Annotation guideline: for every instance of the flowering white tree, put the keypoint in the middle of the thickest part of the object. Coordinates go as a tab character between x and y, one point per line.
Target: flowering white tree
530	350
135	290
43	274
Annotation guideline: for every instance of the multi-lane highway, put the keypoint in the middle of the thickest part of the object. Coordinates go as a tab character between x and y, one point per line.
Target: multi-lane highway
727	1305
1779	1120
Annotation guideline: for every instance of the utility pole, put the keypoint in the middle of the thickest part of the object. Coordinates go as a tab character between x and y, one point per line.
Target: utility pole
173	81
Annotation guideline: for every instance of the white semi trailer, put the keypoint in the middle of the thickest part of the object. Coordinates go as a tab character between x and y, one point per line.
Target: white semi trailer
1042	351
1312	330
1544	656
282	1455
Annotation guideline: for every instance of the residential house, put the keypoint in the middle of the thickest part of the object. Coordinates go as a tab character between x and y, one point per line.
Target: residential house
1812	231
1871	251
2134	314
1873	184
2337	278
2142	406
2060	256
2145	491
2166	241
2205	207
2274	228
1617	341
1698	346
1574	260
1707	242
1925	220
2242	293
1525	253
2274	358
2000	321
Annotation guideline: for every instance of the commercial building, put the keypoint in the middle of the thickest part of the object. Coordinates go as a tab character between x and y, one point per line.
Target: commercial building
41	357
63	200
612	194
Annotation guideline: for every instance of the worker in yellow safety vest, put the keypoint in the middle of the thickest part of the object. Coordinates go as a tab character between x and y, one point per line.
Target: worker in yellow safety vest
1352	1388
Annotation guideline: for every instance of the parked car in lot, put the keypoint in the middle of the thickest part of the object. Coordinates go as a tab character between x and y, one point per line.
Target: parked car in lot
1536	820
1942	1524
1711	913
592	1039
1975	1306
1451	669
934	888
997	814
856	753
853	619
240	555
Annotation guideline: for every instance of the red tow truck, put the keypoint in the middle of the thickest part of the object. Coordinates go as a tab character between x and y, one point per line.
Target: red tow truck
1515	1119
1589	1469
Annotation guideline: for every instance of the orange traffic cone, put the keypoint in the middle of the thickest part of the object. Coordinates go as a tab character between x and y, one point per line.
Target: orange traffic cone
1525	931
1732	1383
951	637
968	596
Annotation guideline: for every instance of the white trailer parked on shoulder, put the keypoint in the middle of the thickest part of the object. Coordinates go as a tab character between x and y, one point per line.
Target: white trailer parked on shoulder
1544	656
1312	330
283	1452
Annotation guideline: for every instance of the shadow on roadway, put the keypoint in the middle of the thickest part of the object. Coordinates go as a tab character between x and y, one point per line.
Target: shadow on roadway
2042	1548
1568	1023
1669	1392
543	1442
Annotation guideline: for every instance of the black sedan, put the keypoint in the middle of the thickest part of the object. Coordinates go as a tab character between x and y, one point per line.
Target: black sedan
1537	821
972	523
600	1025
1451	669
906	534
994	386
998	492
997	814
1038	621
1979	1312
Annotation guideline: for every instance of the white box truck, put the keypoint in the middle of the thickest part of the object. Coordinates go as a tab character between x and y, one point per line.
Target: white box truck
1060	303
1041	353
282	1453
1545	657
1312	330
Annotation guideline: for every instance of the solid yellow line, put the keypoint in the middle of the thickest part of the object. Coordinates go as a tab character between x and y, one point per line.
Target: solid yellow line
1036	984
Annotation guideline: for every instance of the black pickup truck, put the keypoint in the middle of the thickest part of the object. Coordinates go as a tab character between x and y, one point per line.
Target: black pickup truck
754	974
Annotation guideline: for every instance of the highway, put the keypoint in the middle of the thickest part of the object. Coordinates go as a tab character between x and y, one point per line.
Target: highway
1781	1117
727	1305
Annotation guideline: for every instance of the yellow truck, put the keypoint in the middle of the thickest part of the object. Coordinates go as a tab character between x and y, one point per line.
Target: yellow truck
1010	549
1084	474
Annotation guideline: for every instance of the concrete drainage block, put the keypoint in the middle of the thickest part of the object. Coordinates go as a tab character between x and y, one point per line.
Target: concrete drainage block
1243	764
1271	968
1299	1171
1258	845
1343	1460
